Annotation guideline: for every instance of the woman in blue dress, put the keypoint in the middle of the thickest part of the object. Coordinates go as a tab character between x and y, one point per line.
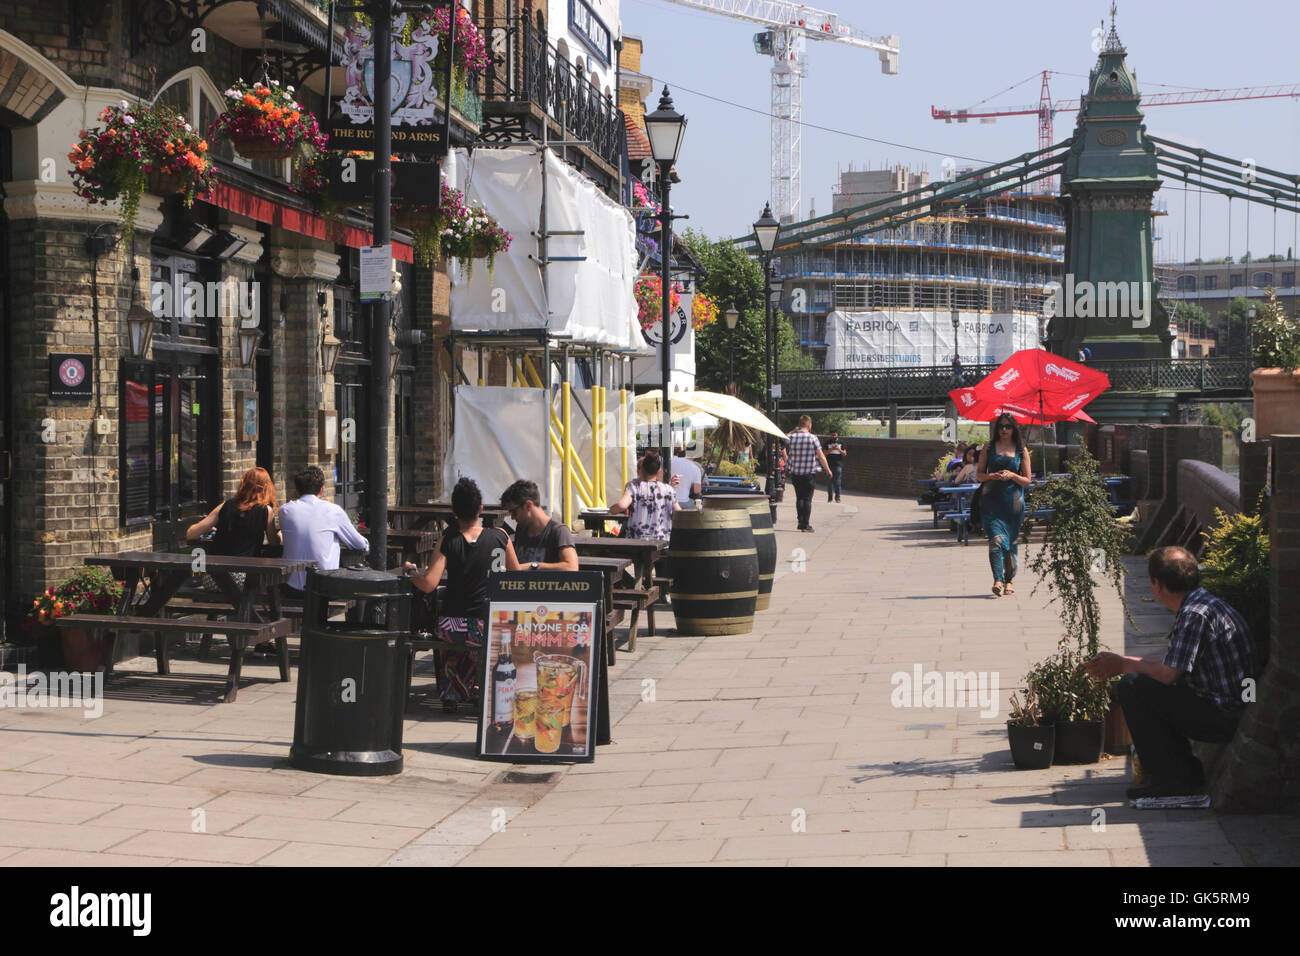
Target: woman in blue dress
1004	471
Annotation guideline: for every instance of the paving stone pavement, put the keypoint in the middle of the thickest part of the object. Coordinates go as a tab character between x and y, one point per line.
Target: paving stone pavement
779	747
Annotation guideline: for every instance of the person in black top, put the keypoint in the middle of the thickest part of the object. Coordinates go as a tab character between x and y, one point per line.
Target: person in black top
468	554
540	541
835	455
242	522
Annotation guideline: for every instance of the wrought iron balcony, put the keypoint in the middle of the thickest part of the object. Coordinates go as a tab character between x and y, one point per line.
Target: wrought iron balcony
526	69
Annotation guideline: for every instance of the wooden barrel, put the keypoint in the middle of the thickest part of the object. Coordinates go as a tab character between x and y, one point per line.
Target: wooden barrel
715	571
760	519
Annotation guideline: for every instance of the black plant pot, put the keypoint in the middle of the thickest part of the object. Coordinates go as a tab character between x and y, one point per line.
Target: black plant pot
1079	741
1032	747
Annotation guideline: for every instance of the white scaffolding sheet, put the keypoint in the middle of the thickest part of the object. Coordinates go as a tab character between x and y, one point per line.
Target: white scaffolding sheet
500	435
590	300
924	338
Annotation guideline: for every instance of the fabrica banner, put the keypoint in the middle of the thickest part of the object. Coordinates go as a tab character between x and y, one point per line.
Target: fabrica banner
918	339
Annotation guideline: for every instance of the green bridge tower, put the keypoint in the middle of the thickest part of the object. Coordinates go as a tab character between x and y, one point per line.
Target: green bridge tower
1108	300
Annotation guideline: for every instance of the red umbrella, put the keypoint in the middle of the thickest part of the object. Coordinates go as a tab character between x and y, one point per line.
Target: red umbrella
1036	379
971	408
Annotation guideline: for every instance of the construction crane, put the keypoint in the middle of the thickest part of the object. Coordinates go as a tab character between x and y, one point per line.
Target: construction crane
1046	110
791	25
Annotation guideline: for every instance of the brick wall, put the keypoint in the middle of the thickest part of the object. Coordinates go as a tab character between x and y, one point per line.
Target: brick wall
1260	772
890	466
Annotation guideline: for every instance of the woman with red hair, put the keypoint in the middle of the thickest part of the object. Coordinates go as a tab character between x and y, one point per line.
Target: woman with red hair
242	522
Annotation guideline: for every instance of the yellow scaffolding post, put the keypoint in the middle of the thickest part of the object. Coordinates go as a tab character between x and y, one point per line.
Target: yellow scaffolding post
566	509
574	464
622	434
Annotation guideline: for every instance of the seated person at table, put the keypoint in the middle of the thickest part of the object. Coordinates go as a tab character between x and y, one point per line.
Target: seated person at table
468	554
241	523
958	459
1194	691
313	529
649	502
692	476
969	464
540	541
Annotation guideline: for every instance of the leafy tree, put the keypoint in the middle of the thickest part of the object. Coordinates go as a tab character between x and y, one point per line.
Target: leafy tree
736	279
1191	316
1236	319
1228	416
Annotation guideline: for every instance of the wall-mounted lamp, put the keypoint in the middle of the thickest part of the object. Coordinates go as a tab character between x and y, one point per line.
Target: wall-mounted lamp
223	245
139	323
329	351
193	237
249	337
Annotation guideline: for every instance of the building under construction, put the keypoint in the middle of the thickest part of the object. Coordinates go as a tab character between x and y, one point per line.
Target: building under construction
980	259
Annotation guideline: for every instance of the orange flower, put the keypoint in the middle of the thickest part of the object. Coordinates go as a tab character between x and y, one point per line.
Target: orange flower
294	116
250	99
203	146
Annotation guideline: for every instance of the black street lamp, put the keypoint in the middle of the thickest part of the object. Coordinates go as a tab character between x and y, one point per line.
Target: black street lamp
956	352
732	316
765	232
665	128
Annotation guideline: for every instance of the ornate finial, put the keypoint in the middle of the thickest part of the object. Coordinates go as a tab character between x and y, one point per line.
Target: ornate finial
1112	39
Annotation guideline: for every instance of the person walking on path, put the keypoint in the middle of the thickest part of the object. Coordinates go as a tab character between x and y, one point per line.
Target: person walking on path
1003	471
835	455
1194	690
805	454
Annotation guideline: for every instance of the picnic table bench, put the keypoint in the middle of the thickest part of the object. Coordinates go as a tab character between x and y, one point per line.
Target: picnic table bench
167	572
421	516
644	592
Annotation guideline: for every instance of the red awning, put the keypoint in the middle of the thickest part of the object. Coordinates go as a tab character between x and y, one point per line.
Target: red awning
295	220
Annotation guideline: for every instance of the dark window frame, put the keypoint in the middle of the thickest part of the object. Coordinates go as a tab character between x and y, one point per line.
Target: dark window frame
591	43
135	369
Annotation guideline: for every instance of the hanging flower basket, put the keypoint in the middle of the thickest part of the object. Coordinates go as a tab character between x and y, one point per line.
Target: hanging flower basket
259	147
414	218
165	183
264	121
120	159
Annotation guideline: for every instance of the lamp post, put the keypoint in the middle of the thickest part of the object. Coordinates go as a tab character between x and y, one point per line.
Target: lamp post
732	316
765	232
956	352
665	128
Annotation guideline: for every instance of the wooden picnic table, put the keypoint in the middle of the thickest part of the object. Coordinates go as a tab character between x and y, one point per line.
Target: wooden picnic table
421	516
593	519
612	568
643	553
167	572
416	545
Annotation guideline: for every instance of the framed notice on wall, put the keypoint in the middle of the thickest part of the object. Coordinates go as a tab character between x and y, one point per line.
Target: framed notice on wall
70	376
246	405
328	432
541	667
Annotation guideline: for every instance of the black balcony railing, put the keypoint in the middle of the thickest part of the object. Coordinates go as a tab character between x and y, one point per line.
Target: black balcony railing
848	388
528	69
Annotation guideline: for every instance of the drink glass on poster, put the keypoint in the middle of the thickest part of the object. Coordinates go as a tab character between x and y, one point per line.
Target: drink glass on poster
546	653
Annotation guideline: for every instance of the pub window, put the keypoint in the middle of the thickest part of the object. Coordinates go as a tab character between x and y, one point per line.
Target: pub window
137	449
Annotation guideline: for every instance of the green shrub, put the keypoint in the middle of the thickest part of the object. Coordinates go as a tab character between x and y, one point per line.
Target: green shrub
1235	568
1276	337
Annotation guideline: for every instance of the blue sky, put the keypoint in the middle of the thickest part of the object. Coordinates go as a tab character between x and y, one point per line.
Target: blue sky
955	54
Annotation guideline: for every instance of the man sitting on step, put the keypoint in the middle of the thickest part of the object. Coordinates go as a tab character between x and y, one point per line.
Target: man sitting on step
1195	691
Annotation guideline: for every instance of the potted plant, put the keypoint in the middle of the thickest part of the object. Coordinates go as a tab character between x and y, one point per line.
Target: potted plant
85	590
1075	703
1032	738
1275	383
471	233
704	311
1083	539
137	147
264	121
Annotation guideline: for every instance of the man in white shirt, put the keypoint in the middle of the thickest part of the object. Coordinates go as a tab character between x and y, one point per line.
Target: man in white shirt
692	477
313	527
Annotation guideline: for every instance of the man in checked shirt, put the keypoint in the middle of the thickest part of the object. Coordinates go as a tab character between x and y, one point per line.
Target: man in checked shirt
1195	691
805	455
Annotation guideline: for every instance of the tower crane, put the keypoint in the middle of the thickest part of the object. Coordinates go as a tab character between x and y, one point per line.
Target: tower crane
1046	110
790	26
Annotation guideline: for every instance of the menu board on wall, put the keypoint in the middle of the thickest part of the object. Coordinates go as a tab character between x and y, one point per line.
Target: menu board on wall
541	667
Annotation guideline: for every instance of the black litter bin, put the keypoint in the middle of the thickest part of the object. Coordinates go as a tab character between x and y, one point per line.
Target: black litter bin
352	675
